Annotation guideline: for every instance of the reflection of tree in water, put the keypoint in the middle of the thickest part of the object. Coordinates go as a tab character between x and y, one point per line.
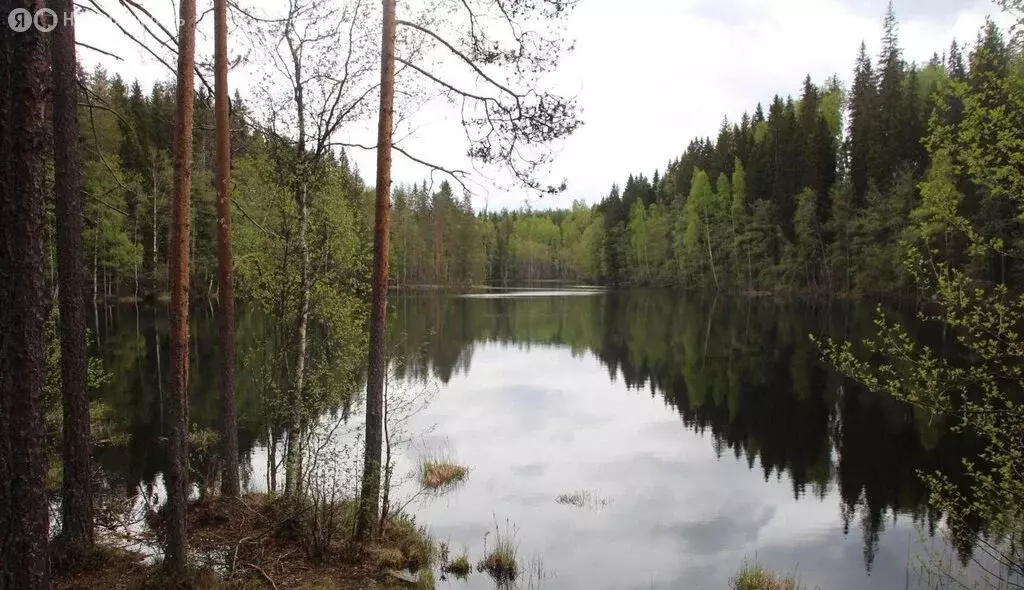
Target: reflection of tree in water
134	351
743	371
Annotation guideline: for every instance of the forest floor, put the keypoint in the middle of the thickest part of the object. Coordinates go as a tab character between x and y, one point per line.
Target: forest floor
252	542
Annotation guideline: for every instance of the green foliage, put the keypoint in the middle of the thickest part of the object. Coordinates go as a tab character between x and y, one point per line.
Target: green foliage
269	278
95	378
785	199
977	385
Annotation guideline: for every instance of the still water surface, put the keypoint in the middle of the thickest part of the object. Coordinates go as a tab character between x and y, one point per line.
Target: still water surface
702	433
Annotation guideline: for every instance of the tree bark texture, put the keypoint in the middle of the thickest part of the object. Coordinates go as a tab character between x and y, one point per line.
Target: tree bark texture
230	485
370	494
178	270
76	493
24	520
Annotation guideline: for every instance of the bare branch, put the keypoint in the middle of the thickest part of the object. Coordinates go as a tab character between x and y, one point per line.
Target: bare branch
98	50
457	175
441	82
253	220
460	55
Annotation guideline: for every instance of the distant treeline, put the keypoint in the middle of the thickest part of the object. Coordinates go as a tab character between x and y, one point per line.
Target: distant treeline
813	194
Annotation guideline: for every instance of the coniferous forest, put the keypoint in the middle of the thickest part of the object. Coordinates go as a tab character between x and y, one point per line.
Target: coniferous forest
810	194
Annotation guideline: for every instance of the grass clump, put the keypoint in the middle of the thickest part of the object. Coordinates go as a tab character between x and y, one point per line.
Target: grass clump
501	561
426	580
390	558
458	567
414	542
440	472
755	577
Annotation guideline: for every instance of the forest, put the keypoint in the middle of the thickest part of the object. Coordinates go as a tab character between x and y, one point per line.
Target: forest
903	184
814	194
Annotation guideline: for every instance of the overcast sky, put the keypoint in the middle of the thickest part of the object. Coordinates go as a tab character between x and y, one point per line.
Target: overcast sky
650	75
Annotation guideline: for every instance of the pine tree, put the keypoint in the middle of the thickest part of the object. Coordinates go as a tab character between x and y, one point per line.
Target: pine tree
76	492
807	136
955	67
24	515
887	158
175	559
862	135
230	485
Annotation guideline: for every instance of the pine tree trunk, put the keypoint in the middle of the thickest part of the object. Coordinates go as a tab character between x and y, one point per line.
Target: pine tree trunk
230	485
178	271
24	518
76	493
369	499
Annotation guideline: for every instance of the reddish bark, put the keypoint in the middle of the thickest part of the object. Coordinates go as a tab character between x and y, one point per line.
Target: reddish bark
178	271
369	502
230	485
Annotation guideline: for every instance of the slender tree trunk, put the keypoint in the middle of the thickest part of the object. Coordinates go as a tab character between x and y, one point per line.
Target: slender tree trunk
385	505
135	262
178	271
24	519
711	256
76	493
370	495
225	287
293	444
155	284
160	398
293	452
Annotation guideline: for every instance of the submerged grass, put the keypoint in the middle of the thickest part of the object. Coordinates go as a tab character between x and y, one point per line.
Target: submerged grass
459	567
441	471
755	577
501	561
583	498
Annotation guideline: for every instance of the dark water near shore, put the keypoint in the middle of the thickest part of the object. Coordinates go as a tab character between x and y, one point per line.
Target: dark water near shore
701	432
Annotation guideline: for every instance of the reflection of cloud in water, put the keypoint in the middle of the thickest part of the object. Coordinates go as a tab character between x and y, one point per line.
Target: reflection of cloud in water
721	531
536	421
530	470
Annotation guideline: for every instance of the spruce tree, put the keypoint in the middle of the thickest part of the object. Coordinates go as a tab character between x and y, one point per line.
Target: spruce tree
861	134
886	158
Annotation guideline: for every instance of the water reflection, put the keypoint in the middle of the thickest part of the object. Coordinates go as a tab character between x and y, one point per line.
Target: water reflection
549	395
741	371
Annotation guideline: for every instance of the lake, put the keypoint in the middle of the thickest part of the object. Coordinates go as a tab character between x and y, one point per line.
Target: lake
642	439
